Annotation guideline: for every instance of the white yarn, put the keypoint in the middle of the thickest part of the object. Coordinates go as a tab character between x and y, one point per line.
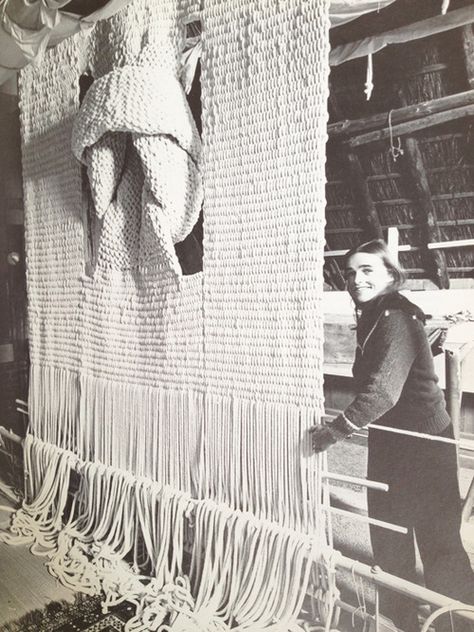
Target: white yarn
187	384
39	519
136	134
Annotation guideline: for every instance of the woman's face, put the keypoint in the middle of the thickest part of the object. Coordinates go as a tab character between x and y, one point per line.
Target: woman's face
367	277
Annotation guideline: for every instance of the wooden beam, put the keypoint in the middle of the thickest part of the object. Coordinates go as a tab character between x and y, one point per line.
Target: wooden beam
468	47
368	215
438	245
402	115
407	33
412	126
450	269
441	223
392	242
435	260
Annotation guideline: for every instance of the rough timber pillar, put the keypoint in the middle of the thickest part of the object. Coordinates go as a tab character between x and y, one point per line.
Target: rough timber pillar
435	259
369	218
468	46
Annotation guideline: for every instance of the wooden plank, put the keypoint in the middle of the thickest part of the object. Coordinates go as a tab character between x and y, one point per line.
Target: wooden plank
412	126
401	115
441	223
392	242
468	47
450	269
453	243
437	245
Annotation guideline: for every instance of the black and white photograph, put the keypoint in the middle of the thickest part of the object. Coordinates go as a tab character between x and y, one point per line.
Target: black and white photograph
236	316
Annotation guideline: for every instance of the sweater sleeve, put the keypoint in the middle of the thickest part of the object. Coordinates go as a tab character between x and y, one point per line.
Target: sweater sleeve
388	357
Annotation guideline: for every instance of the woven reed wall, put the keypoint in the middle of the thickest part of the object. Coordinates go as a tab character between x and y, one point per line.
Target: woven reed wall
419	71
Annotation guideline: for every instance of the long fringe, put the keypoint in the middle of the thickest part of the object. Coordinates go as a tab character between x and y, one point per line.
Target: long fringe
245	573
176	438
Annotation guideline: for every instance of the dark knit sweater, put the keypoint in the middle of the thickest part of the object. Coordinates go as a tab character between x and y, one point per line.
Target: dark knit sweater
393	371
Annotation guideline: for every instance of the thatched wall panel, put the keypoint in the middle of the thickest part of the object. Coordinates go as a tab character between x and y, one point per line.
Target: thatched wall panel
388	187
444	150
343	241
454	208
411	260
377	161
342	218
452	233
418	71
451	179
463	257
409	235
338	194
428	68
397	213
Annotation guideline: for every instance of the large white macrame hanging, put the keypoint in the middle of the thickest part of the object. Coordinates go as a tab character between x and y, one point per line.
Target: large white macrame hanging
182	402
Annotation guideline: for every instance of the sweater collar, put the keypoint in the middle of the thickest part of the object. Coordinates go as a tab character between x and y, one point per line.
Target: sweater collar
372	310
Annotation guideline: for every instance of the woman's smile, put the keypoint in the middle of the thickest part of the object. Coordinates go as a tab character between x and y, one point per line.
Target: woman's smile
367	277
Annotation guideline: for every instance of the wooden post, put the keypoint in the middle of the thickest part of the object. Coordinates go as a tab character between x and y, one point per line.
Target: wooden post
392	242
453	390
468	46
436	260
369	218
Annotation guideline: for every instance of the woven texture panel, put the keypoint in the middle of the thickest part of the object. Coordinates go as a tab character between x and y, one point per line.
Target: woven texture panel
192	395
265	92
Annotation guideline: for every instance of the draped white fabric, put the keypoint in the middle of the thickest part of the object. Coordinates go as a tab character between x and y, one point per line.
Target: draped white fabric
418	30
28	27
342	11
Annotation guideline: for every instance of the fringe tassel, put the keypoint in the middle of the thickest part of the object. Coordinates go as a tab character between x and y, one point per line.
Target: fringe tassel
39	520
175	438
250	574
148	431
246	573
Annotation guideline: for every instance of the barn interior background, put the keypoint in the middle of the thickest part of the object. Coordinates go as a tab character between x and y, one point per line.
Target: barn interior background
391	163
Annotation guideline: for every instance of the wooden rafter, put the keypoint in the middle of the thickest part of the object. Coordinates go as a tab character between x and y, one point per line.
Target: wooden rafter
468	46
412	126
404	114
436	260
368	215
408	33
332	270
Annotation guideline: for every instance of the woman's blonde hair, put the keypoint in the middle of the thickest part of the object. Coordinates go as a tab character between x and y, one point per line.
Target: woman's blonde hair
379	247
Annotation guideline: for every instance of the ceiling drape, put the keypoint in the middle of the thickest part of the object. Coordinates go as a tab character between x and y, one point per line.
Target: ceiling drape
29	27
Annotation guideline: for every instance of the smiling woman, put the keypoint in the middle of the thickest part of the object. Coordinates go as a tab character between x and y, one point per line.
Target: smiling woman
371	273
396	387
